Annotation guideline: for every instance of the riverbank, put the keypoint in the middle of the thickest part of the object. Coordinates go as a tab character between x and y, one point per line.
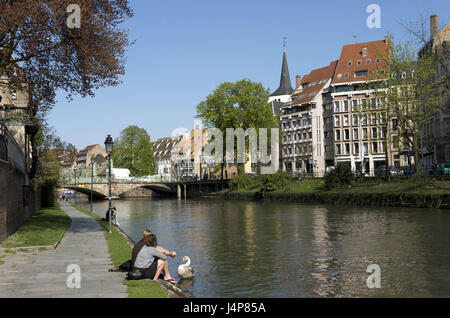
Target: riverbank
412	192
78	267
120	247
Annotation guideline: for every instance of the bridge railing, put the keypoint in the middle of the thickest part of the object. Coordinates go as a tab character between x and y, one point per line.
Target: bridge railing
150	179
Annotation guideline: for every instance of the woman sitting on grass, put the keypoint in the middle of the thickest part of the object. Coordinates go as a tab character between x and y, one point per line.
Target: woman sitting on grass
151	262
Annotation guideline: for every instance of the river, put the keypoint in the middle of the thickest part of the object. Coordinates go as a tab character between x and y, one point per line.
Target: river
261	249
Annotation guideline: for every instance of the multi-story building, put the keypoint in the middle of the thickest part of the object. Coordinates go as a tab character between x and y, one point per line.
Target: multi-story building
302	119
162	150
436	133
85	156
359	127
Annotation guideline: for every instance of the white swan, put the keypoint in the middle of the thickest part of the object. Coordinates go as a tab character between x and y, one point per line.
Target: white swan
185	270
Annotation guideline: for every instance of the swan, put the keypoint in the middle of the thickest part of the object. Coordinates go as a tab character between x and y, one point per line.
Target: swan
185	270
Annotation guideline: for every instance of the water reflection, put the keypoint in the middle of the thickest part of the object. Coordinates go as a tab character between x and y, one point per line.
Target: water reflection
254	249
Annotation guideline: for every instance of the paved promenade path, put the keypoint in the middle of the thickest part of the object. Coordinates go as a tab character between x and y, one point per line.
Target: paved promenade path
44	274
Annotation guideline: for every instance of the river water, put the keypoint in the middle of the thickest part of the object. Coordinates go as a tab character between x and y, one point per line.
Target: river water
261	249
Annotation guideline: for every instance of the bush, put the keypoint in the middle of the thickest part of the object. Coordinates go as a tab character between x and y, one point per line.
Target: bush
272	182
241	182
340	176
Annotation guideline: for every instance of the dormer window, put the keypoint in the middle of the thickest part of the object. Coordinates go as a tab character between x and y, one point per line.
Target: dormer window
364	51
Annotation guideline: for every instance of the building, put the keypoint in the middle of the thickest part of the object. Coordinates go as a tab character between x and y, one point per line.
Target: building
85	156
303	125
19	196
357	122
436	134
162	151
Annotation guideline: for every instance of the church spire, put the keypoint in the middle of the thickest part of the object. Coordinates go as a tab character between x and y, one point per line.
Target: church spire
285	81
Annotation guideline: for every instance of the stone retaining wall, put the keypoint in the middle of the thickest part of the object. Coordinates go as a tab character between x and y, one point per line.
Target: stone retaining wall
17	202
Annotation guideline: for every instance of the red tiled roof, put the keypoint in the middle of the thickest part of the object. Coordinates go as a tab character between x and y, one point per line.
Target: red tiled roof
313	83
353	53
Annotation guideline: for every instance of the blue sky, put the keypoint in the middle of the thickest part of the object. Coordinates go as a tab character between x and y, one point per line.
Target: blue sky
185	48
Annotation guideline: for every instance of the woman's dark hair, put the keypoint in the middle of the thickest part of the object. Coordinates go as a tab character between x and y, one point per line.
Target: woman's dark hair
150	240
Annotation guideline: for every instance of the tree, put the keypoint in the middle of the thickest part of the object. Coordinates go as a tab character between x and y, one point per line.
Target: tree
410	93
133	150
438	47
40	52
242	104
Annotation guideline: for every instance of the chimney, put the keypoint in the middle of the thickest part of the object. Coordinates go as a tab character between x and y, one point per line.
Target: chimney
298	81
434	26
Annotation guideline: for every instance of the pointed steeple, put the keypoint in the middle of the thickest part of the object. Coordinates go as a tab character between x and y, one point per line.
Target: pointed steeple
285	81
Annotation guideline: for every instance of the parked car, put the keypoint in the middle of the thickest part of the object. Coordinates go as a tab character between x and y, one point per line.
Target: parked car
329	168
394	171
409	171
441	169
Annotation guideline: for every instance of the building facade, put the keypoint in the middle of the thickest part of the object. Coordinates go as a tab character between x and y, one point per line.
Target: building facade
436	133
85	156
359	127
303	124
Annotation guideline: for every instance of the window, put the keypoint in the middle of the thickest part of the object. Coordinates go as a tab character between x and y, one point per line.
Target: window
365	134
374	119
310	135
356	149
14	95
373	103
366	148
337	107
375	147
347	149
349	63
346	75
345	105
346	120
347	134
359	62
377	60
337	134
355	120
338	149
364	119
339	76
337	121
361	73
355	134
364	104
368	61
374	133
355	104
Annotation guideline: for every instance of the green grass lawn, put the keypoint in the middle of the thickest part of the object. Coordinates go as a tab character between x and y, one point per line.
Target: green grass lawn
120	249
412	185
45	227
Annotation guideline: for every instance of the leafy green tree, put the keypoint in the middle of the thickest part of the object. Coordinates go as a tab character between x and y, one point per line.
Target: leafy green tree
133	151
410	95
242	104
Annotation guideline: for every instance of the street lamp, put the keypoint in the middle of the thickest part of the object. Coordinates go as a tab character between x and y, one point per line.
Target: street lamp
75	191
109	143
93	159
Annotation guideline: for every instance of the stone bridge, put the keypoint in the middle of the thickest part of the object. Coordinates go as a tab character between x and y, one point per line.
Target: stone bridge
178	189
